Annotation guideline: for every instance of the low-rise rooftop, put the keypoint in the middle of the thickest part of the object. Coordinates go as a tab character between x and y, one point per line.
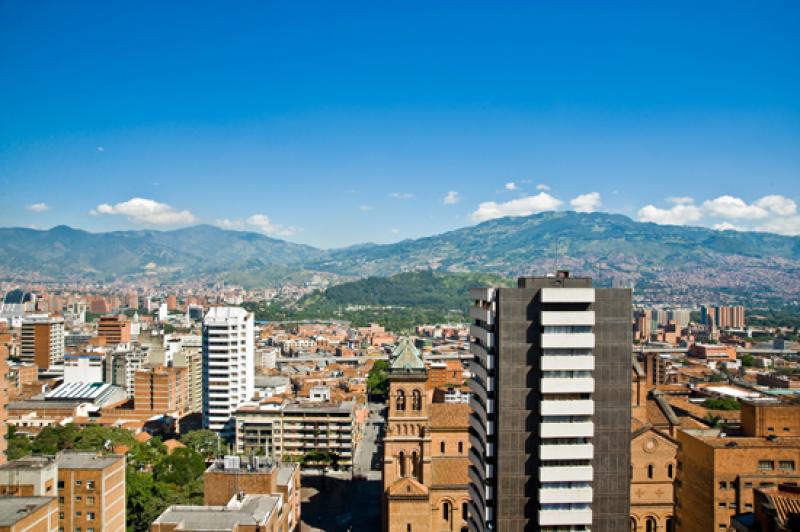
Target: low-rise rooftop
86	460
14	509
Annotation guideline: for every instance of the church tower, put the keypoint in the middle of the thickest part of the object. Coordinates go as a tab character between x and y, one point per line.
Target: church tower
407	443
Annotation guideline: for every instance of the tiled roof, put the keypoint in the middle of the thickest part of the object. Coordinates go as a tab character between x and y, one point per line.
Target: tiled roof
407	486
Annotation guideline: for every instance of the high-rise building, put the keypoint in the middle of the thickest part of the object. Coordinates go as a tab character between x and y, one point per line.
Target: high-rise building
115	329
550	443
228	364
43	341
192	359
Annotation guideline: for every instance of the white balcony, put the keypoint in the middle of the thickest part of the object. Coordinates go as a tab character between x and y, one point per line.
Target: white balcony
486	338
577	407
567	430
565	474
567	295
565	517
582	340
483	314
568	362
583	451
482	294
565	495
567	385
554	318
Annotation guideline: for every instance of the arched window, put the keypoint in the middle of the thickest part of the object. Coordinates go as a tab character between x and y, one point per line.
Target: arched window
460	447
441	447
446	511
415	465
464	511
402	460
416	400
633	524
650	525
670	525
650	471
669	471
401	400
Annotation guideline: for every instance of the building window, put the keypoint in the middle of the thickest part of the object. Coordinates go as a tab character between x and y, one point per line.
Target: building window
408	527
61	484
61	500
670	470
402	459
78	483
90	501
670	525
464	511
748	484
723	485
90	516
90	484
401	400
650	471
416	400
78	498
61	515
786	465
446	511
650	525
461	448
441	447
766	465
723	505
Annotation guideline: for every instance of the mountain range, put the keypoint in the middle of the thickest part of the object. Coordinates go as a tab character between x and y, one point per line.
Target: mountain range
672	261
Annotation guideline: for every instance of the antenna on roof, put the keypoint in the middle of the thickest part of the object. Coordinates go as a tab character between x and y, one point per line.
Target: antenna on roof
556	257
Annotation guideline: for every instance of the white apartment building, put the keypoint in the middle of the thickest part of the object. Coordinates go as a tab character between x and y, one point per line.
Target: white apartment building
228	364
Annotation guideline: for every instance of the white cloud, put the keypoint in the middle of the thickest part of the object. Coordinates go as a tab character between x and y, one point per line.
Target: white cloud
489	210
543	187
364	208
146	212
101	149
681	200
777	204
731	207
586	202
676	215
451	198
511	186
265	225
226	223
725	226
38	207
789	225
401	195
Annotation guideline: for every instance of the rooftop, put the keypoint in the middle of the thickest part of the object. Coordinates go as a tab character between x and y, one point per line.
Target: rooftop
29	463
13	509
252	510
86	460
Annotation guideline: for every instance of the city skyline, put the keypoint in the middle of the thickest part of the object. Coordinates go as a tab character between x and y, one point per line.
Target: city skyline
388	125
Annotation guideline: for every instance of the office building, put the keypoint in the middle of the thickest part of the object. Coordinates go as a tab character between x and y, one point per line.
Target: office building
228	364
718	470
92	489
114	329
42	341
550	429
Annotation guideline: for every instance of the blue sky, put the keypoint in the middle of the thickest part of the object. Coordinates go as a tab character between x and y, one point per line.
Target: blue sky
333	123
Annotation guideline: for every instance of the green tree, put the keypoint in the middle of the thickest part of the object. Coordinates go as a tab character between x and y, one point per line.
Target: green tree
181	467
19	445
377	379
721	403
748	361
204	441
